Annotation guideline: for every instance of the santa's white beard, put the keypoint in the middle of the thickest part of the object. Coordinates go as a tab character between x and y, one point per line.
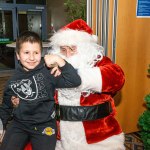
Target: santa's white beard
87	55
77	61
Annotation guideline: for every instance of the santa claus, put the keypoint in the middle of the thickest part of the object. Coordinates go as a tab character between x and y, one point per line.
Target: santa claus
87	113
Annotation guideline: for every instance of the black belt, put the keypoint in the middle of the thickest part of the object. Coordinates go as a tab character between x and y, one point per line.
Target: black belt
83	113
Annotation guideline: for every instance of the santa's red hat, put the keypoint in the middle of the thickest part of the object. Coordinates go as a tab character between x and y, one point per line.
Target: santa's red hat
72	34
79	25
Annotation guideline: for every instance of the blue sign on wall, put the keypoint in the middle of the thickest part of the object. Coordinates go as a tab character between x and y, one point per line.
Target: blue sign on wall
143	8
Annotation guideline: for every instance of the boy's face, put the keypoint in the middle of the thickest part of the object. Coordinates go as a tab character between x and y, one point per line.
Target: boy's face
29	55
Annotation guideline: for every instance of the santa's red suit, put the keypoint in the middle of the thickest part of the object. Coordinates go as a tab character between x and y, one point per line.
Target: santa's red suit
87	112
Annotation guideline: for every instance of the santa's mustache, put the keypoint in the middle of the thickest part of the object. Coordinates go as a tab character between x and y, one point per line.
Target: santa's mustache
82	58
75	60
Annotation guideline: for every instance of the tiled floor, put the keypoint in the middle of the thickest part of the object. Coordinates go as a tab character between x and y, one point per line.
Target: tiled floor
133	141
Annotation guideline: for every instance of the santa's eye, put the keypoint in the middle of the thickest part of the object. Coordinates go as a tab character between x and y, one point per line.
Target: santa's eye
63	49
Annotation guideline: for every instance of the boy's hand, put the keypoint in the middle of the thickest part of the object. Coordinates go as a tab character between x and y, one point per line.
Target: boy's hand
15	101
53	60
56	71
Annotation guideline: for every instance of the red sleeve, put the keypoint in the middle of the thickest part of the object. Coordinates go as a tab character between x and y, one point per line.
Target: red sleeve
112	75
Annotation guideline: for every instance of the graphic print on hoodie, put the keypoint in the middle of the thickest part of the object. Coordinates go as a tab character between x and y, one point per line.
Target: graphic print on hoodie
30	89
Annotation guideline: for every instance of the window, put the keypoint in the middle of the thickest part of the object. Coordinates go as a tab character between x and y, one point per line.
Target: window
14	19
6	36
30	20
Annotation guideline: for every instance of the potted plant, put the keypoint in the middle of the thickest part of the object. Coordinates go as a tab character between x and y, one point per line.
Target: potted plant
76	9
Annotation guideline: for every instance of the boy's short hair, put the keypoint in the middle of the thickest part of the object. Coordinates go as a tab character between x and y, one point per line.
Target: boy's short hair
27	36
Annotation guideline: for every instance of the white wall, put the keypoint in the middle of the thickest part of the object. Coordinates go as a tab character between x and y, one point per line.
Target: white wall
56	14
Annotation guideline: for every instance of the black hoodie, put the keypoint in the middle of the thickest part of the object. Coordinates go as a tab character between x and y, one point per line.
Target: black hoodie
35	89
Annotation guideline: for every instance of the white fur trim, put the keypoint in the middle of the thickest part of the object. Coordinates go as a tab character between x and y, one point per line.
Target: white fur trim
69	96
91	79
73	138
71	37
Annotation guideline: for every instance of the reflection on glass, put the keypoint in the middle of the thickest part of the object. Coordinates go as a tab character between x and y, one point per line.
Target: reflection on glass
6	36
42	2
30	20
6	29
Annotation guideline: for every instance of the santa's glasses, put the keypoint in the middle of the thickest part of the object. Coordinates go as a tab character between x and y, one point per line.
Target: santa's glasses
68	50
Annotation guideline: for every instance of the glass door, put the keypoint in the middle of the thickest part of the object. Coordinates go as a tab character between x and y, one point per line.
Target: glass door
14	19
7	35
7	17
32	19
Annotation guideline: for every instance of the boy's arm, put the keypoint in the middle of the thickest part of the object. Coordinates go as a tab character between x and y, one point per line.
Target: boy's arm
69	77
6	108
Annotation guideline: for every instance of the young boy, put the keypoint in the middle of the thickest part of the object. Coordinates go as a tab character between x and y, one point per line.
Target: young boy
34	117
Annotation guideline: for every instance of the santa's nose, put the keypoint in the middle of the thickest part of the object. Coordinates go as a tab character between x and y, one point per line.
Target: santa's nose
68	53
